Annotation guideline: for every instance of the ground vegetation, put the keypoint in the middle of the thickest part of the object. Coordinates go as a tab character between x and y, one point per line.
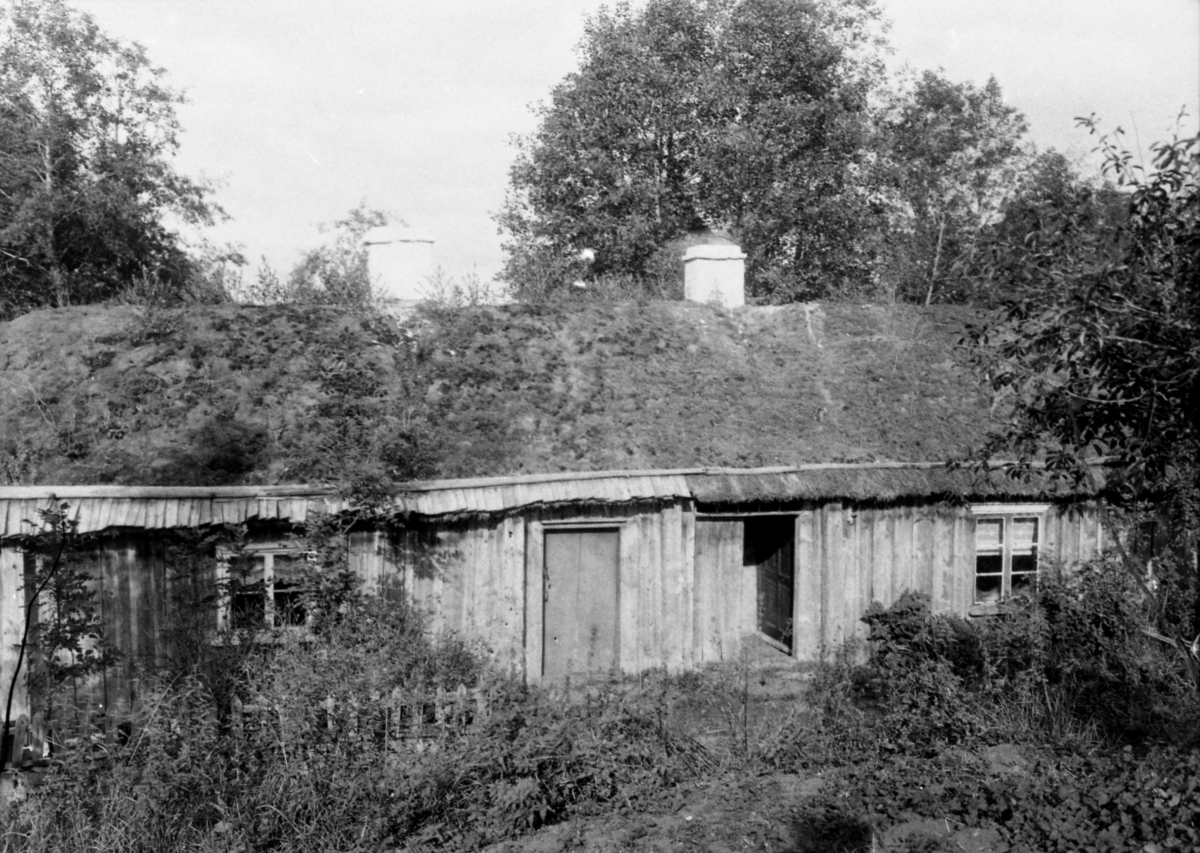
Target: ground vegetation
1058	727
335	273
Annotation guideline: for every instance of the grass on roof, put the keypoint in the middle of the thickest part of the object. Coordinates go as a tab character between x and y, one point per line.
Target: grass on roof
281	394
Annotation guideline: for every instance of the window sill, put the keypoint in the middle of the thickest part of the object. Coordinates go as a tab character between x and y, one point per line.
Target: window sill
263	637
1000	609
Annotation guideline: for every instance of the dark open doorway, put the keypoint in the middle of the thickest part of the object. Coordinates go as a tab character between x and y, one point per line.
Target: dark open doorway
770	548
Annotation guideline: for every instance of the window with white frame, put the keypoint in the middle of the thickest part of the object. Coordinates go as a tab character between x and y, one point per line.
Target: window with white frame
1008	539
261	587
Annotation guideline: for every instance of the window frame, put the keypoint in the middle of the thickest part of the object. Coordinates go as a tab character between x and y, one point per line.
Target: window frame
266	553
1007	515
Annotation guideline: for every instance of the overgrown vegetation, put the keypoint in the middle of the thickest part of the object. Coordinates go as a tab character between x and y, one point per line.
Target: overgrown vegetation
1058	726
293	394
1095	354
366	734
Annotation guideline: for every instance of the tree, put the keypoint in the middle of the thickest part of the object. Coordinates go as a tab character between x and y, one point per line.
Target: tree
787	161
614	165
88	131
954	149
1054	218
742	114
1097	352
337	273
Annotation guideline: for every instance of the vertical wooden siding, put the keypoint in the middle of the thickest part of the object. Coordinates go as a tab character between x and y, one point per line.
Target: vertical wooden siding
720	612
684	596
658	588
851	556
848	557
468	576
133	589
12	623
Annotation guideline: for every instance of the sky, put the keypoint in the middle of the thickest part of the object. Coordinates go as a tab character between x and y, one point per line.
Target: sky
302	109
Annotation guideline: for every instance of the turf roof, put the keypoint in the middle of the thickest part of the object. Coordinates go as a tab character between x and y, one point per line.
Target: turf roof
267	395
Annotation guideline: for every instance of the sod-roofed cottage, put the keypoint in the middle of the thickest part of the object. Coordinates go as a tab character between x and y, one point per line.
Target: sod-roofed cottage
606	486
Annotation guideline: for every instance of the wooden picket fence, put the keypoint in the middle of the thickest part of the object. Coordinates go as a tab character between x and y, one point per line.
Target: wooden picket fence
403	720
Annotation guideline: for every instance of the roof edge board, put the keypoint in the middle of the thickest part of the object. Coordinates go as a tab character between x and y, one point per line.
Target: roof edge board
317	490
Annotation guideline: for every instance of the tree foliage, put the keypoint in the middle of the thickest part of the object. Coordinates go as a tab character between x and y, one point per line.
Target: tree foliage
1055	217
953	152
334	273
1097	349
772	120
741	115
337	272
88	187
615	165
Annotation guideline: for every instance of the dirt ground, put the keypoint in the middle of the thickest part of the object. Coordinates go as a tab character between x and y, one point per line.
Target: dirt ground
742	810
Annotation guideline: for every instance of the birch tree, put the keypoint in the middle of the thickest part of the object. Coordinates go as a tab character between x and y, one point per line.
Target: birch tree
88	187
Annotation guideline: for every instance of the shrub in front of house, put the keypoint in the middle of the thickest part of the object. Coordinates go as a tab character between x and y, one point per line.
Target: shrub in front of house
370	734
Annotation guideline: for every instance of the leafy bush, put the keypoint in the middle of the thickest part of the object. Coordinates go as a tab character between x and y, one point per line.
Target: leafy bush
372	734
1056	684
1116	801
1077	649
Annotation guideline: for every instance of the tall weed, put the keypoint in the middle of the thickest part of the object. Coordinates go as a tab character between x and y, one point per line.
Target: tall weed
355	738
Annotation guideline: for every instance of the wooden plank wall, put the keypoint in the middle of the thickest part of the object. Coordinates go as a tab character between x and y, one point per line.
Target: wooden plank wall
483	578
131	588
721	612
134	589
685	598
850	556
658	586
467	576
1074	534
12	623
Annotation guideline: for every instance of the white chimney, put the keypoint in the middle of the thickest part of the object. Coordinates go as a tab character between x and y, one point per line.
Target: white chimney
715	273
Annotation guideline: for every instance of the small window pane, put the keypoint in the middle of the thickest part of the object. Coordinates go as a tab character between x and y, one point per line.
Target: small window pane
989	533
989	564
1024	563
1024	584
1024	533
988	589
247	605
289	567
245	569
289	605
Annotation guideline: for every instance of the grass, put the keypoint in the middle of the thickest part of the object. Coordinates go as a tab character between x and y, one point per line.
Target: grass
271	393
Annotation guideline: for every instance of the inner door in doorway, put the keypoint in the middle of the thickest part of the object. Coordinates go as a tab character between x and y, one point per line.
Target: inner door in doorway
580	628
770	549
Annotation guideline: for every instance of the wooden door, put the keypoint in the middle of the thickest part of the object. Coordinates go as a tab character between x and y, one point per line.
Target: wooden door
721	603
580	614
770	548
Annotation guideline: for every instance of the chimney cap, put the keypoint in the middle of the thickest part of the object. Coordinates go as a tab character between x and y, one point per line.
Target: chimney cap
709	252
394	234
